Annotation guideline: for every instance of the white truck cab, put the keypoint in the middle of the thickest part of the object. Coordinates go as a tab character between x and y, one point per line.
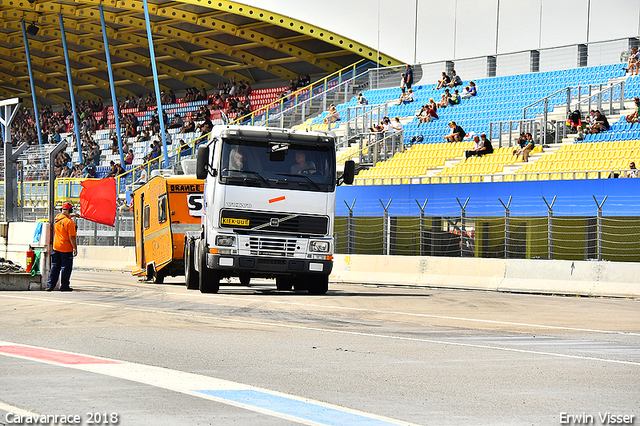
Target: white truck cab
269	204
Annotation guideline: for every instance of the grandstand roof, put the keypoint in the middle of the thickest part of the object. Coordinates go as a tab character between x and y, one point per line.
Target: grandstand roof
198	43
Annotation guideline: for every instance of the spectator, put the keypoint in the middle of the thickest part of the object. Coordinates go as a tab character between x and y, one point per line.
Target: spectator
477	148
444	102
403	86
361	99
526	146
429	115
457	133
634	62
444	81
113	171
142	177
129	158
332	116
635	116
408	77
89	171
407	98
470	91
455	99
176	122
455	80
601	123
633	172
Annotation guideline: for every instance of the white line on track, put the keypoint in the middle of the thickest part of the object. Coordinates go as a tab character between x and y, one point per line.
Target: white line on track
285	406
330	330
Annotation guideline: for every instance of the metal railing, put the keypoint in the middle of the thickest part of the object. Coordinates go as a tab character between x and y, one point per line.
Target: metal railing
303	99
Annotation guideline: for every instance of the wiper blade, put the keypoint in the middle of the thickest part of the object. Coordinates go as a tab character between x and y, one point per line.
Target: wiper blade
256	174
302	176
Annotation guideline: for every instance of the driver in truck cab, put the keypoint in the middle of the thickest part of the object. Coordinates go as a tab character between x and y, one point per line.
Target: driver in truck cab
303	166
236	159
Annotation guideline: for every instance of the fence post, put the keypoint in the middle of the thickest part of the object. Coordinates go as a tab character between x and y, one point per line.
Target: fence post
116	239
463	229
507	228
550	225
544	121
622	95
386	234
599	225
569	98
350	229
423	237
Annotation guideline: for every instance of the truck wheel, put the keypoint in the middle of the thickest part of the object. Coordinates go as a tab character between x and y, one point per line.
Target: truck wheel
318	284
190	273
209	279
284	283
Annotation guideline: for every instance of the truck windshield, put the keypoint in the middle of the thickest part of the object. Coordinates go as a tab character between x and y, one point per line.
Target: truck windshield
308	167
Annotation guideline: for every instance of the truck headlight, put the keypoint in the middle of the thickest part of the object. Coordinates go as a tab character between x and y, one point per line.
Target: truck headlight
321	246
225	240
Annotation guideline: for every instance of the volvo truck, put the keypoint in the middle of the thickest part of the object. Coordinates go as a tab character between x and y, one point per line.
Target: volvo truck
268	208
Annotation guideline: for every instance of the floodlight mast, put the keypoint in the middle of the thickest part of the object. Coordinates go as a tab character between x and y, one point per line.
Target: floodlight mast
10	107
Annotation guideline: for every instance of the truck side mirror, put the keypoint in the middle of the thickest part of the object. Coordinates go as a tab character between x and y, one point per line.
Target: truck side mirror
202	161
349	172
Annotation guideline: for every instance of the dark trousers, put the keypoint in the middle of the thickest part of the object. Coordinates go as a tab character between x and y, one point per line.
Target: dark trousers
61	265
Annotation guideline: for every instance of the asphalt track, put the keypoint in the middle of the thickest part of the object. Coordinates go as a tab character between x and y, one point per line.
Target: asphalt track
119	351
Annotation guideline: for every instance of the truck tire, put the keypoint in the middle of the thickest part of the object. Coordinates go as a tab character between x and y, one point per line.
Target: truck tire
209	279
158	277
318	284
190	273
284	283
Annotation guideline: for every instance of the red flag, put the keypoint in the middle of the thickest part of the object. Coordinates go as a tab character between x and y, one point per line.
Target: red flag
98	201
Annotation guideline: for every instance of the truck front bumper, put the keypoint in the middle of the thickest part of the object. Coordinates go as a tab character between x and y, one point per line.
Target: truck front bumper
268	265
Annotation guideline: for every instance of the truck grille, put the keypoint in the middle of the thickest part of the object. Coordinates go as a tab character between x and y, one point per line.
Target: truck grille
281	247
283	223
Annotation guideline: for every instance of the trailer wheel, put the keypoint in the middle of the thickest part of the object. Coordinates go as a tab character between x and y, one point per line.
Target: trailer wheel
209	279
190	273
284	283
318	284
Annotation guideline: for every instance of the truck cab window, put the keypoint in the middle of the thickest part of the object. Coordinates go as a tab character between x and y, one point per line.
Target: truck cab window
294	165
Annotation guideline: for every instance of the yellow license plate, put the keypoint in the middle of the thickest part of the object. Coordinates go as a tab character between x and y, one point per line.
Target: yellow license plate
235	222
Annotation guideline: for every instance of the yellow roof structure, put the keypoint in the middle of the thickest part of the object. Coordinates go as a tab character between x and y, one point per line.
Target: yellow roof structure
198	43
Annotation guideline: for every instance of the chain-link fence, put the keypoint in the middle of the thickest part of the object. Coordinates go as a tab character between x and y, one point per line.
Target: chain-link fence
579	234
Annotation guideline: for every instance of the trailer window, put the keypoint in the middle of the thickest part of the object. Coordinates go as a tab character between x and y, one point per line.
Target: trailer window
147	214
162	209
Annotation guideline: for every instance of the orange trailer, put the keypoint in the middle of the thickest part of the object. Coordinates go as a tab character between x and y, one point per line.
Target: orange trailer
164	209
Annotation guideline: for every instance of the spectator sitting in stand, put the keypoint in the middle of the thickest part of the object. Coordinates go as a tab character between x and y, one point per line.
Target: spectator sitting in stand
129	157
407	98
601	123
470	91
635	116
457	133
176	122
332	116
89	171
526	146
189	126
634	62
444	81
455	99
482	147
633	172
455	80
361	99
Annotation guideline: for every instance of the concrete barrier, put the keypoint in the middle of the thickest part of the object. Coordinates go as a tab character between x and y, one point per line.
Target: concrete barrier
589	278
452	272
105	258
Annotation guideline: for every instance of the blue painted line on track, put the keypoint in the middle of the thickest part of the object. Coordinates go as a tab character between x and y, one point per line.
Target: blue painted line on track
295	408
